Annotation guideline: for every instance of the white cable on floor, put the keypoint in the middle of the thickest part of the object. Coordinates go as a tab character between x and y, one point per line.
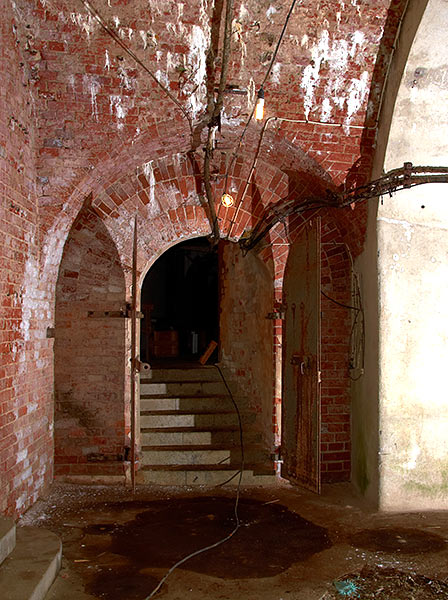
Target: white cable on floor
237	499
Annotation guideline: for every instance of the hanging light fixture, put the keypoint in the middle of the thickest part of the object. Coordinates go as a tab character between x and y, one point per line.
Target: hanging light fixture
259	106
227	200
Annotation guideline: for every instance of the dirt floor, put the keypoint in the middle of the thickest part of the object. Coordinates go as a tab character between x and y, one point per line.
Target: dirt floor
291	545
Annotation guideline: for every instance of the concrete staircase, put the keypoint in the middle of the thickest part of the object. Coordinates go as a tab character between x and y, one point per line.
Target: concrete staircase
30	559
190	433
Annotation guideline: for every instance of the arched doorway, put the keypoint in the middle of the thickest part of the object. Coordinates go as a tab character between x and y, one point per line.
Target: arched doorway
179	301
89	350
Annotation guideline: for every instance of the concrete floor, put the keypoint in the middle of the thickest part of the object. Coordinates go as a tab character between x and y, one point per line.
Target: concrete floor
292	544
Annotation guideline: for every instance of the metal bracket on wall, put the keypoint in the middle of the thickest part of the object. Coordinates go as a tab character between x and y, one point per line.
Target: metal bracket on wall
276	315
114	314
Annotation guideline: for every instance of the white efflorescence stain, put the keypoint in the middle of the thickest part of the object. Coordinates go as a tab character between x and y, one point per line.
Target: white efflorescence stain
326	110
251	91
107	61
196	61
335	54
357	93
94	87
86	22
148	170
276	72
270	12
116	106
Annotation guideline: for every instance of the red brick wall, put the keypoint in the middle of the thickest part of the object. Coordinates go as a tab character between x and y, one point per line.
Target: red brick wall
89	354
26	420
246	335
335	388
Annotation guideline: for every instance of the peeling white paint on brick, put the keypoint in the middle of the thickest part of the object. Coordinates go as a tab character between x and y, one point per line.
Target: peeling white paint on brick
357	92
243	13
358	40
276	72
162	78
251	90
126	32
107	61
271	11
326	110
86	22
127	82
148	170
116	106
336	53
94	87
196	60
148	36
310	78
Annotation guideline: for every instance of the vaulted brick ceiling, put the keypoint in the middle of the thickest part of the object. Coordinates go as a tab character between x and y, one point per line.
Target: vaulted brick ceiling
102	118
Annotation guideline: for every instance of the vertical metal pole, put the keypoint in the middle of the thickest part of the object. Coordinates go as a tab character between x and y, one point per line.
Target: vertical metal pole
133	351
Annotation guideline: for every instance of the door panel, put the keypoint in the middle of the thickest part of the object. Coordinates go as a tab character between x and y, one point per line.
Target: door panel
301	361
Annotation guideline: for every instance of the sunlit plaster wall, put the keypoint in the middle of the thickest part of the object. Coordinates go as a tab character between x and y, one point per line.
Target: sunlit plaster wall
413	286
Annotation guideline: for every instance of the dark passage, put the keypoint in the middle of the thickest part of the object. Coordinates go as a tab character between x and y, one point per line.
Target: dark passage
165	531
180	303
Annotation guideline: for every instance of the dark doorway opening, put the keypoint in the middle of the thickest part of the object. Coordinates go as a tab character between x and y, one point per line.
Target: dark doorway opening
180	303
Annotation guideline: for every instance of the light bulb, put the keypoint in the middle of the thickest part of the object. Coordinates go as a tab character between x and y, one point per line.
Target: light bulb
259	107
227	200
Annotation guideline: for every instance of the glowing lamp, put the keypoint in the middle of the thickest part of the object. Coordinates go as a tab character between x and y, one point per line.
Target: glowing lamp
227	200
259	107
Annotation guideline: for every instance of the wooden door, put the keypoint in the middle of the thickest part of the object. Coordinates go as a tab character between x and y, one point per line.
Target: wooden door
301	361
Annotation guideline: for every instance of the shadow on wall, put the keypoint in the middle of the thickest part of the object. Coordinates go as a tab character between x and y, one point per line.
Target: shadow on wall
89	353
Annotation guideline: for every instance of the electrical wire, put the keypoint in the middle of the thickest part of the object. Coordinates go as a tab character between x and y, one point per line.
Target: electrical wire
268	72
339	303
274	56
235	510
356	347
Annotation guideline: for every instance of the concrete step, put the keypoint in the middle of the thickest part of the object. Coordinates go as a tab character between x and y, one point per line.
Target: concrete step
32	566
186	388
200	419
186	456
210	475
182	375
186	403
172	436
194	455
7	537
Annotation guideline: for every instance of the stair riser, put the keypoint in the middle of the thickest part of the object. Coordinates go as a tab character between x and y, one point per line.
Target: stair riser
192	388
209	478
185	457
159	438
215	421
203	457
172	438
186	404
176	375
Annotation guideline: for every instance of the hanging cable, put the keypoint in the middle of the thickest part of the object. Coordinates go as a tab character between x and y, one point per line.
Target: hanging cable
235	509
280	39
268	72
92	10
